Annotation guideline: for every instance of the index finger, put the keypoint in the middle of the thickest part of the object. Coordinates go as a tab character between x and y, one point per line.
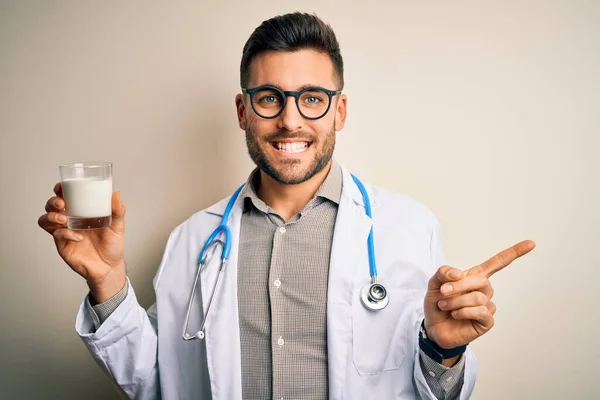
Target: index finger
58	189
505	257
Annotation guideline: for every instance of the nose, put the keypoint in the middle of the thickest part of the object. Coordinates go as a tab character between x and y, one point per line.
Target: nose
290	118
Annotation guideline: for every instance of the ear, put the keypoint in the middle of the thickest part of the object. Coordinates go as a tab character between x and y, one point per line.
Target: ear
340	112
241	111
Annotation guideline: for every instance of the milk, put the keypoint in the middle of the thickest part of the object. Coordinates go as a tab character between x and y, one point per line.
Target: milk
88	202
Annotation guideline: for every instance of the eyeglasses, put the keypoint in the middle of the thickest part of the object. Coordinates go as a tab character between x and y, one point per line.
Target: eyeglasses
269	102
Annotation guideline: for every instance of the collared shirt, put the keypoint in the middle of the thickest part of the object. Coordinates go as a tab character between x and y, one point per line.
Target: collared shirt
283	272
282	293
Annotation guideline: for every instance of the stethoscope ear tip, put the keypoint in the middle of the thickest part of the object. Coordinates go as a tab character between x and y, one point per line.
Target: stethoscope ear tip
200	335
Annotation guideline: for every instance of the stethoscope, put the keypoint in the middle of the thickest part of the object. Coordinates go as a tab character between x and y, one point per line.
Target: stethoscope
373	295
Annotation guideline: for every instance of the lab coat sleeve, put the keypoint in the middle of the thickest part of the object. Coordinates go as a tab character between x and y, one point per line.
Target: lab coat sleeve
125	346
101	312
470	374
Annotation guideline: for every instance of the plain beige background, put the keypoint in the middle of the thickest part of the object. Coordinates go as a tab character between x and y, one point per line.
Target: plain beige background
486	111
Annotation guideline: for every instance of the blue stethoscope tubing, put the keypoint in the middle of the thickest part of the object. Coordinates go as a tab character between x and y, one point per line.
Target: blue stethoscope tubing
370	240
373	296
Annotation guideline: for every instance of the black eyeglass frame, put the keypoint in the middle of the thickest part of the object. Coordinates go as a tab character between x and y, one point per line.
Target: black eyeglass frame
295	94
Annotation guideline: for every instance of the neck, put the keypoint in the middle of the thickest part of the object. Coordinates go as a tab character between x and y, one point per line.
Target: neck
288	200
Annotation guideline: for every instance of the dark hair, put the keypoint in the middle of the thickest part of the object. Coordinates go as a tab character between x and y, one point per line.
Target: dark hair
291	32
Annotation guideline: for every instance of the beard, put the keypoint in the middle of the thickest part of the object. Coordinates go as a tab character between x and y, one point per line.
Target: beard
291	172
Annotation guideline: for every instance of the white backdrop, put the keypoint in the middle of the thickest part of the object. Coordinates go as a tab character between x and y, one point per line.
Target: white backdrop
486	111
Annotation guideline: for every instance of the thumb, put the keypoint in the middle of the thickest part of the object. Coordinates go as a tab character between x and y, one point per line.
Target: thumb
118	213
445	274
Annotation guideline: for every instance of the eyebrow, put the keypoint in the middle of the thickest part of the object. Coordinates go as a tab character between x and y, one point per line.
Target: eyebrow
297	90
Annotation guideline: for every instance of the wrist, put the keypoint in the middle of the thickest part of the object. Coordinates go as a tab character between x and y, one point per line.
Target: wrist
444	356
112	284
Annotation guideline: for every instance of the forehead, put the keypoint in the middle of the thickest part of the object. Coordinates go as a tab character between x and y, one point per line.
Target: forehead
292	70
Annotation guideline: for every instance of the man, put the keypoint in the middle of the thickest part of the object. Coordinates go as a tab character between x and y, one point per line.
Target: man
289	319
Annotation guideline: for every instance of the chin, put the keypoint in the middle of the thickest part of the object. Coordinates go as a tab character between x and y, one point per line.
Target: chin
292	172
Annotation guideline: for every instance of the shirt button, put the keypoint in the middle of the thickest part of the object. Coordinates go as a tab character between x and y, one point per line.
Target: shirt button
448	379
280	341
282	230
432	374
277	283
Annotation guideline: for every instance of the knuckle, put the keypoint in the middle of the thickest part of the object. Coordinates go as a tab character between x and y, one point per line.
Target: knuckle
477	270
443	269
433	279
449	304
483	281
52	205
500	258
440	274
481	298
483	311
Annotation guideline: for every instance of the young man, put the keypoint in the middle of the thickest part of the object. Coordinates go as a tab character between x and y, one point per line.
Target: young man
290	318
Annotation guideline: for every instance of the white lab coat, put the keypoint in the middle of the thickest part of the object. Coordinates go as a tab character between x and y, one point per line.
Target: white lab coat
371	355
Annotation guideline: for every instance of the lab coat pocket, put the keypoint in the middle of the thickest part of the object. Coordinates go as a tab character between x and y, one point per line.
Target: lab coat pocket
380	338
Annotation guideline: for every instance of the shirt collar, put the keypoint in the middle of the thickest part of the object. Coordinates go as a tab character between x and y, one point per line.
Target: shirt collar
330	189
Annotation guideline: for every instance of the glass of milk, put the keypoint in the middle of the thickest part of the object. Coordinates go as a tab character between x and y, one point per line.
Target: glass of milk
87	191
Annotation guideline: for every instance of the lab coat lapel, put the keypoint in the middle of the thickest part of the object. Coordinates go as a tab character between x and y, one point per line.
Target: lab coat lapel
348	268
222	327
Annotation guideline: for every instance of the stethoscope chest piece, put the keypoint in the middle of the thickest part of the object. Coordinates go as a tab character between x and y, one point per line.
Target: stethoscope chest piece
374	296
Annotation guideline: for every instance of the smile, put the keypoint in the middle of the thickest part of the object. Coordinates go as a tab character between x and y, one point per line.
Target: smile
291	147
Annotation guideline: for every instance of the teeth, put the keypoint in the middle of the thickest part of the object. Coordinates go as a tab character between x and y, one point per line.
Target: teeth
295	147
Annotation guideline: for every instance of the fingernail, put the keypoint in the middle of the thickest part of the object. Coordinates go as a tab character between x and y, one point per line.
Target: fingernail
78	237
442	304
455	274
446	289
56	203
61	218
454	313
